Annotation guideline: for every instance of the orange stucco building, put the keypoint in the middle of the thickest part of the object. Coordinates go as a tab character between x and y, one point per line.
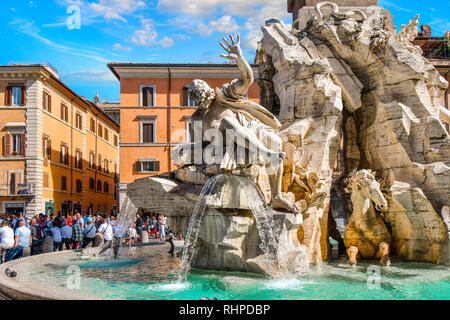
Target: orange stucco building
155	112
59	151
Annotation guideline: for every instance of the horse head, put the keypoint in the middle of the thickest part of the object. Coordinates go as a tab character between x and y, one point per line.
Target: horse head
364	182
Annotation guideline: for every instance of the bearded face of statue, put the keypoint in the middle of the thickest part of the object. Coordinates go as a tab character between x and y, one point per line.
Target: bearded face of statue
201	92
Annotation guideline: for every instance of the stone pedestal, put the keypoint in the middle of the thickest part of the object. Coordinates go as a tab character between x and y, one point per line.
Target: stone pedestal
144	236
47	245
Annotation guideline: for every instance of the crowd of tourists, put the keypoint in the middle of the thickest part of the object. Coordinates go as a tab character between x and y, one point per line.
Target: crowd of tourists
73	232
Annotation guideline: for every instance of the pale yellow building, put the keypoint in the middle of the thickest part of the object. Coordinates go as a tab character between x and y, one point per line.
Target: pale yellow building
60	152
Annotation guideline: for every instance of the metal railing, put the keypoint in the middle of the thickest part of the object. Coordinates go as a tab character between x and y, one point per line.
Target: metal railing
17	189
440	52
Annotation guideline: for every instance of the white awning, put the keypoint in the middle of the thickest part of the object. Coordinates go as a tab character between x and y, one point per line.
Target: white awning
15	125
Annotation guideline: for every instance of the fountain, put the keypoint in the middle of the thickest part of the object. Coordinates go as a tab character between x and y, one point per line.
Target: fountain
255	211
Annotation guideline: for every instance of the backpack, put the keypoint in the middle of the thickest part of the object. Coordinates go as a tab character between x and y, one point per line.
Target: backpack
40	232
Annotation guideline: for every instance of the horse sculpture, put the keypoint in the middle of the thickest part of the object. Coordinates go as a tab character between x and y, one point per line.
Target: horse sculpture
366	234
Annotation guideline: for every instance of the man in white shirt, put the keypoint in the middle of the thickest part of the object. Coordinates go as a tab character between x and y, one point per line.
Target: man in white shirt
6	238
22	240
106	230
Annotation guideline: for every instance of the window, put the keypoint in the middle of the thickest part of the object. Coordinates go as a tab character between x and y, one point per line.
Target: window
63	183
78	160
106	166
18	144
12	183
115	192
99	162
147	166
92	125
99	186
100	130
116	140
147	130
91	160
147	95
78	186
187	99
14	144
92	184
106	134
45	180
46	148
106	187
47	102
64	112
79	121
15	95
64	156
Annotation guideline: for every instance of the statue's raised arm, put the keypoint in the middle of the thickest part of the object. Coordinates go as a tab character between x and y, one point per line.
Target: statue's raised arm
235	54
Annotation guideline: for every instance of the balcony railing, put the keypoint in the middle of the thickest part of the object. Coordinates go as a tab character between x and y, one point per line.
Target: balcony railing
8	190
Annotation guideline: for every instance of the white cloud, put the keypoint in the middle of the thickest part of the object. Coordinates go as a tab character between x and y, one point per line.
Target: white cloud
147	36
114	9
182	37
90	75
276	9
255	13
166	42
225	24
29	28
119	47
202	8
188	7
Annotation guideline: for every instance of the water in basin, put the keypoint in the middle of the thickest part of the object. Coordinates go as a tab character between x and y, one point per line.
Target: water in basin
151	273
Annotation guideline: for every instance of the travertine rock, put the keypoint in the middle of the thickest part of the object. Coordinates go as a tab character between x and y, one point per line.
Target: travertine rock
47	245
311	115
418	231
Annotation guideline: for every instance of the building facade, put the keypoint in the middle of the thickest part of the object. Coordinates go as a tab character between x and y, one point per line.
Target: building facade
155	110
437	51
60	152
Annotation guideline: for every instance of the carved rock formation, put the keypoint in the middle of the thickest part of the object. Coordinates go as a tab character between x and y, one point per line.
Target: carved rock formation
392	122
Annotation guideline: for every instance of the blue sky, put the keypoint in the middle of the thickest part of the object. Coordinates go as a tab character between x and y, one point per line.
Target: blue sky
172	31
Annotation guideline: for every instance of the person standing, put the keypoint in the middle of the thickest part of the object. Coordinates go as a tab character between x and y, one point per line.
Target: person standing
69	220
22	240
6	239
37	236
106	230
79	220
153	227
77	235
139	225
162	227
59	220
66	235
57	238
89	233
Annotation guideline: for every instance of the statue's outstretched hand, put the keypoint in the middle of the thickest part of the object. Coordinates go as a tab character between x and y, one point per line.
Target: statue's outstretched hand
233	49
